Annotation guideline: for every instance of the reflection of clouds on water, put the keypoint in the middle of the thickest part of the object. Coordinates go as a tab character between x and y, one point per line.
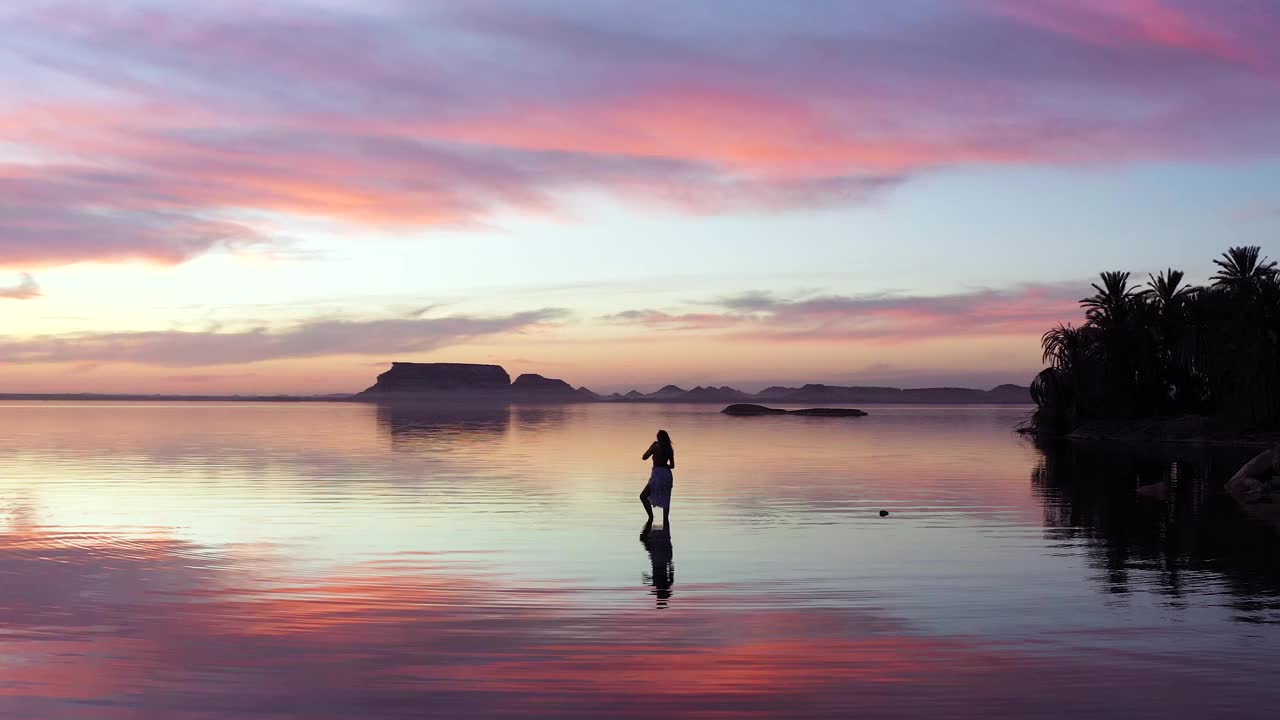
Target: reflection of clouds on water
262	441
1157	519
329	478
325	561
105	628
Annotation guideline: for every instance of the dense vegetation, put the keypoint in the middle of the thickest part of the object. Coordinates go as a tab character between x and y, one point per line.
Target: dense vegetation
1168	348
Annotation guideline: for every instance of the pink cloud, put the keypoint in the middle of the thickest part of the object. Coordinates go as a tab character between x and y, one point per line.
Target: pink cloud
162	132
1022	311
1129	23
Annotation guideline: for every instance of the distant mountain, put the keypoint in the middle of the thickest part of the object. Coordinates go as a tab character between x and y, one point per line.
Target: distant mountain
714	394
670	392
817	394
811	394
463	382
530	382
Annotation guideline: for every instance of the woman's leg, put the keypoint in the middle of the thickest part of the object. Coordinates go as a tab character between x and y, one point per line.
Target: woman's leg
644	500
666	516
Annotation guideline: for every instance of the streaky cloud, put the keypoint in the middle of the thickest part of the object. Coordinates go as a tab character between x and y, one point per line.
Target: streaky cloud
65	215
1156	24
888	317
314	338
161	132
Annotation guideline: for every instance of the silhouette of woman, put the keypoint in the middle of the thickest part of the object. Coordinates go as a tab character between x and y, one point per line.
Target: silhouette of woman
658	491
662	558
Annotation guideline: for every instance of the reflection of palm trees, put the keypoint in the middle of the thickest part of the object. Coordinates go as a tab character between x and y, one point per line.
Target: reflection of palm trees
1193	539
662	557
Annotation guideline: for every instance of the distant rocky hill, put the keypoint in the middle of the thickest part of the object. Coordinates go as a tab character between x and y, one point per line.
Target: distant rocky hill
823	394
465	382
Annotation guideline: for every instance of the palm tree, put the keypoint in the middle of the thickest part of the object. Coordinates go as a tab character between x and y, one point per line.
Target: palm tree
1170	348
1244	351
1068	388
1112	300
1241	271
1173	383
1067	347
1116	311
1167	292
1053	392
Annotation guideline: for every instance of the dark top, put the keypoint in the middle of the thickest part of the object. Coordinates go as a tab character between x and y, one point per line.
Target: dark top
663	456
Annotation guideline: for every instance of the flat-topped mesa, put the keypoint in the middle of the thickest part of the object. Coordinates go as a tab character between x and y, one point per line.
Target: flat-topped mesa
405	377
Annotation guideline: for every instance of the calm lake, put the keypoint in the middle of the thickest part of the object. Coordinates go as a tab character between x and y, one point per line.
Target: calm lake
348	561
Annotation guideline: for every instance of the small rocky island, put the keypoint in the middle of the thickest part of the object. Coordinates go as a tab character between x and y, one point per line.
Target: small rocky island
747	409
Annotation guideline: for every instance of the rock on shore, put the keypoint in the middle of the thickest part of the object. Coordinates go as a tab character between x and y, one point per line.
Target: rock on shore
1256	486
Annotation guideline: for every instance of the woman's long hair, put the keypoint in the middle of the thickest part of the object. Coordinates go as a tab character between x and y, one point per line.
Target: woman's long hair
664	439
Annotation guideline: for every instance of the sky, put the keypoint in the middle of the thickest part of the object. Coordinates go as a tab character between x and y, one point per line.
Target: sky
246	197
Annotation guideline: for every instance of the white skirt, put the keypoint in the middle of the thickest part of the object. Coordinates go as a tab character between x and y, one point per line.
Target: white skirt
660	484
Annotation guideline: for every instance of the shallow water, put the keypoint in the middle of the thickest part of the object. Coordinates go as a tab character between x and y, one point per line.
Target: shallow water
344	561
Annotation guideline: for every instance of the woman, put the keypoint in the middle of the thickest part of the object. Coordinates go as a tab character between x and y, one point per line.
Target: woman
658	491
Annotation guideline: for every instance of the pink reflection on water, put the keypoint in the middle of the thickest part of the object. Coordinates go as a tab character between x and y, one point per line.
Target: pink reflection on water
108	626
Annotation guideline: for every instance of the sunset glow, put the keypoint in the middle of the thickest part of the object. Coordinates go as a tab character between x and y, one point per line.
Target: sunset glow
226	197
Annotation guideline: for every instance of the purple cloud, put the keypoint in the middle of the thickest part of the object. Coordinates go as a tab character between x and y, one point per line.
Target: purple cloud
315	338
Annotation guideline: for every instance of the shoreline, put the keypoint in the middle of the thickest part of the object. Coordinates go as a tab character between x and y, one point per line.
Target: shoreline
1187	430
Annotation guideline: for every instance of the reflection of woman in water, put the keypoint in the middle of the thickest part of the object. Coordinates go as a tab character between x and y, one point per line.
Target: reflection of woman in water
662	557
658	491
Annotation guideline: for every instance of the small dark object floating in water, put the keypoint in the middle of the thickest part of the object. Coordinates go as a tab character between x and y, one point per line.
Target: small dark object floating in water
749	409
884	513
